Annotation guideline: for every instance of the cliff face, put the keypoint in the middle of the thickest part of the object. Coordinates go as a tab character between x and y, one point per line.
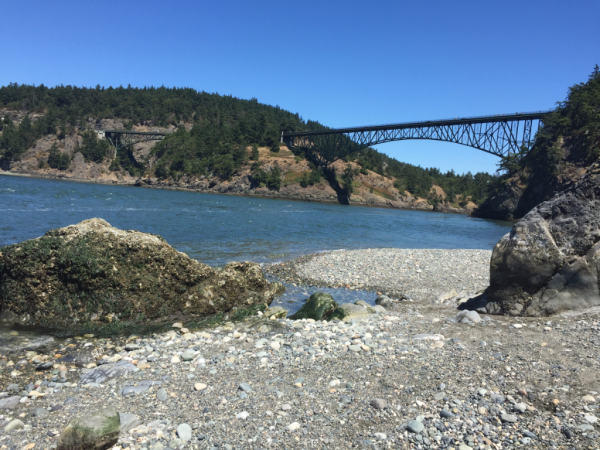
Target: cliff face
564	149
370	189
536	182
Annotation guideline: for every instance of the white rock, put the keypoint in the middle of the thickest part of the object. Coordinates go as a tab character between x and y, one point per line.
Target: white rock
293	426
275	346
242	416
333	383
175	360
590	419
200	386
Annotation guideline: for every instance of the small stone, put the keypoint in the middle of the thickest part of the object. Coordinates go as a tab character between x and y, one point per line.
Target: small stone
242	416
378	403
245	387
161	394
508	418
175	360
275	346
293	426
188	355
334	383
446	414
40	412
286	407
521	407
14	425
590	419
177	325
184	432
200	386
588	399
415	426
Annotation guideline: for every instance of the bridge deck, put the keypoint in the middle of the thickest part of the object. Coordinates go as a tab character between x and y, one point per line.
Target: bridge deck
429	123
144	133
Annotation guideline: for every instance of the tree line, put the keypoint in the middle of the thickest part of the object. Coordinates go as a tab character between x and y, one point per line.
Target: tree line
223	128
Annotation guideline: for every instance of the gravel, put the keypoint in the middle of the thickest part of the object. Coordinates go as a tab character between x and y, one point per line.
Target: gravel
405	378
417	274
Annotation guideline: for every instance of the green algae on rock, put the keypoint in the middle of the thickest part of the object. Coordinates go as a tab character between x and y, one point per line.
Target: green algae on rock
319	306
91	274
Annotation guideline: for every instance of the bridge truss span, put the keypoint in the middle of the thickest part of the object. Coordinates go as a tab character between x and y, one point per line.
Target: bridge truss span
499	135
125	138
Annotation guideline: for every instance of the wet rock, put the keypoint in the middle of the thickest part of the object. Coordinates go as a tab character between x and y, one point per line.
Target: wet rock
96	430
318	307
93	264
548	263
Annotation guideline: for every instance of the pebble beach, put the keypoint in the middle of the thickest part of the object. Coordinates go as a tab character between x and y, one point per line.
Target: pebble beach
416	274
414	376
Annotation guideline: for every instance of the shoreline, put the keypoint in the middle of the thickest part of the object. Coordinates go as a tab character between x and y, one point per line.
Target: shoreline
415	274
234	194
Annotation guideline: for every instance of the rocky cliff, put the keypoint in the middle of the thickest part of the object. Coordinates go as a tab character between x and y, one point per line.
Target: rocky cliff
550	261
565	147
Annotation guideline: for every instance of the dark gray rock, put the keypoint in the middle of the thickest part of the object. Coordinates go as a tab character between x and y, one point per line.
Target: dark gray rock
446	414
549	262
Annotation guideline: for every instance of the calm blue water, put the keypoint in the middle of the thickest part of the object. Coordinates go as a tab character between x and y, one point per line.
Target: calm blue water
216	229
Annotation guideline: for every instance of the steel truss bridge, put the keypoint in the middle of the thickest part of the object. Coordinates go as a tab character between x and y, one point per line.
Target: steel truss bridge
499	135
124	138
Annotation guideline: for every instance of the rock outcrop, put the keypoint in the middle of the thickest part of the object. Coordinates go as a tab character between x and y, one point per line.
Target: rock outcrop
548	263
91	274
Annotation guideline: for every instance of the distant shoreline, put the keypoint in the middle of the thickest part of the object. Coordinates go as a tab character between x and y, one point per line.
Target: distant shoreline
233	194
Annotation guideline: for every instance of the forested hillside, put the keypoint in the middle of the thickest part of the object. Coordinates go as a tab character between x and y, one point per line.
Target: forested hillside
213	136
565	147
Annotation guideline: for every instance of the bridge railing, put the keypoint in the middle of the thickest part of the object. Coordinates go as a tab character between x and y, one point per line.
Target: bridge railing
523	115
461	118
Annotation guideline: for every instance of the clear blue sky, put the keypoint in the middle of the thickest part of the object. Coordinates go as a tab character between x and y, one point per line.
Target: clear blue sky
342	63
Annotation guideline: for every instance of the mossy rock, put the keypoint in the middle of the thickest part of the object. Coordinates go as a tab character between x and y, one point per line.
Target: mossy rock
347	312
318	307
91	276
94	431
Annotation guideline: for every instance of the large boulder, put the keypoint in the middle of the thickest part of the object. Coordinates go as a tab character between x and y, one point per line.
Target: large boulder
90	274
548	263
